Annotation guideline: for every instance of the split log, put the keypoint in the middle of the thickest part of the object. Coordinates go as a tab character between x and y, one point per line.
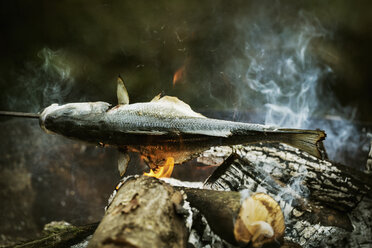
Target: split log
320	199
142	214
237	219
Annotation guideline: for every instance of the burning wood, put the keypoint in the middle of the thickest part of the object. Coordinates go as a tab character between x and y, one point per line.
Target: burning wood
142	213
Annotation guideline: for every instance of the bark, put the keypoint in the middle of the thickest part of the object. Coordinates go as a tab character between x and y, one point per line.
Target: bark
142	214
320	199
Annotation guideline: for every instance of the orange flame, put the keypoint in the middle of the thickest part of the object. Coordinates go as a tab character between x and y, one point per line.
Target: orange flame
164	171
178	75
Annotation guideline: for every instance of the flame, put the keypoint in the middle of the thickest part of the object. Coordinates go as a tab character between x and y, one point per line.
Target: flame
178	75
164	171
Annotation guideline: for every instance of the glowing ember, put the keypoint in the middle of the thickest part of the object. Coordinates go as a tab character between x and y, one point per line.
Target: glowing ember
164	171
178	75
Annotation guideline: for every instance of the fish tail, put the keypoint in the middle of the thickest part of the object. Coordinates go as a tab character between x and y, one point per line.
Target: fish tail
309	141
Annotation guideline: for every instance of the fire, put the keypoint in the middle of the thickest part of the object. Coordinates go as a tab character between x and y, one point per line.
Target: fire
164	171
178	75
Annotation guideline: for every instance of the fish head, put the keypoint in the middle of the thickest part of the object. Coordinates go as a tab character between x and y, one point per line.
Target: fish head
70	110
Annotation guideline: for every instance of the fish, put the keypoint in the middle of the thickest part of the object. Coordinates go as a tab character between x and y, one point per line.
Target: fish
163	127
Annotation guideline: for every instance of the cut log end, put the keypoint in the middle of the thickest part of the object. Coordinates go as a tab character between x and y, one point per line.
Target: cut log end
260	220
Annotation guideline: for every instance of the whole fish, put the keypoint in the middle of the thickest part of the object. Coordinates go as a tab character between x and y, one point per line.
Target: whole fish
162	128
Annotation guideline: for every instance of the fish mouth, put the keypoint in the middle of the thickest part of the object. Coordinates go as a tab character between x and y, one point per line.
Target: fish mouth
44	114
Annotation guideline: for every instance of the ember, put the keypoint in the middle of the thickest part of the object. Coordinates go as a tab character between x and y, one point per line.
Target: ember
178	75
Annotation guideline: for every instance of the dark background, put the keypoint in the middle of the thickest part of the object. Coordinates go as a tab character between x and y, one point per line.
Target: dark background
66	51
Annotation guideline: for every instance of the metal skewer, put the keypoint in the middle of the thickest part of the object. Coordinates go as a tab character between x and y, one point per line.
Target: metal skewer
20	114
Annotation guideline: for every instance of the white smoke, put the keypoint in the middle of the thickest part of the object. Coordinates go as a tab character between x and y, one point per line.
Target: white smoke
281	72
58	79
43	82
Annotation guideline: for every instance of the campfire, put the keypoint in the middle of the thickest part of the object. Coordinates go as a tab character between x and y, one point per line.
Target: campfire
247	124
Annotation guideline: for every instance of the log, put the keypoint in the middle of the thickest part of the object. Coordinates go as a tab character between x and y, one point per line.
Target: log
328	183
320	199
238	219
142	214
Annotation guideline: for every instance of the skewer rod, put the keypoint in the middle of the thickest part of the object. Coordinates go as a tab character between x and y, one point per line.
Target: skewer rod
19	114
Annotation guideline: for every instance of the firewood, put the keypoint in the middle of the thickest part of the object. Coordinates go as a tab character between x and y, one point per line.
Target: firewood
142	214
144	211
329	183
329	207
254	220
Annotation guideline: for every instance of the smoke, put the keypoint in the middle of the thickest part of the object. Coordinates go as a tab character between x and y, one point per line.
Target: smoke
43	82
295	188
282	72
58	80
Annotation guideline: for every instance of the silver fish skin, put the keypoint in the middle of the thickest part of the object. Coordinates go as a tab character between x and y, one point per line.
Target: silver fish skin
166	126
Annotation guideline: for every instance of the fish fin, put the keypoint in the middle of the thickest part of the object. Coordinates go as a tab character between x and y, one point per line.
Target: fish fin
123	161
309	141
121	92
181	108
156	98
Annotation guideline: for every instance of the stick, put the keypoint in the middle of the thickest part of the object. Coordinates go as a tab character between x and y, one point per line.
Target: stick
61	239
19	114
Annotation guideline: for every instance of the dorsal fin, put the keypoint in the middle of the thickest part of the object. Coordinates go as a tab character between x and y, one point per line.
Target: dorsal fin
179	107
122	92
156	98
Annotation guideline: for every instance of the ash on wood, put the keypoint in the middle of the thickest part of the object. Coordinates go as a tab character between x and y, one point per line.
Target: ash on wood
142	214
